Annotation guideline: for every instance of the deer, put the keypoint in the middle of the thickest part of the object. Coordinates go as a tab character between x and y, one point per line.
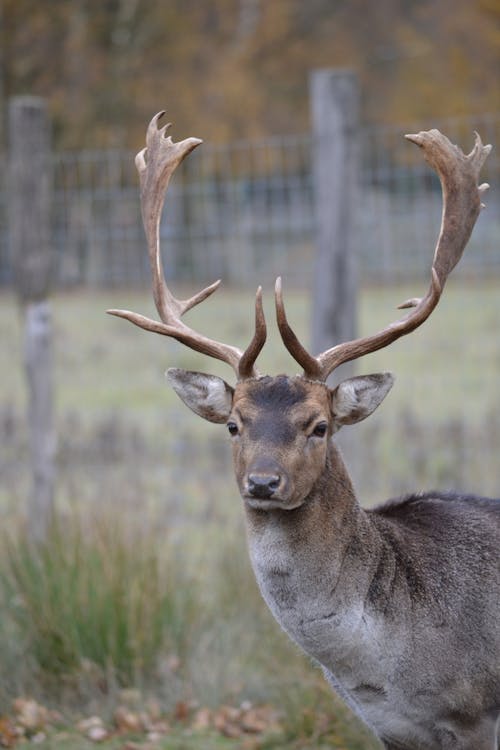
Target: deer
397	604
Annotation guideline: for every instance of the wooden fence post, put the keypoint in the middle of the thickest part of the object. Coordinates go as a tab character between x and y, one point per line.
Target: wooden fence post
30	247
335	124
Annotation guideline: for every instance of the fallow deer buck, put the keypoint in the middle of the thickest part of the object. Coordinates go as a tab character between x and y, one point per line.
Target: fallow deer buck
399	604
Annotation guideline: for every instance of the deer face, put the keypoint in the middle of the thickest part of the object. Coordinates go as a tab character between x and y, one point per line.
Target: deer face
280	427
279	431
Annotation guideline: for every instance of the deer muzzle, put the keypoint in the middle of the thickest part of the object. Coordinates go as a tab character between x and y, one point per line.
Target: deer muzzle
265	484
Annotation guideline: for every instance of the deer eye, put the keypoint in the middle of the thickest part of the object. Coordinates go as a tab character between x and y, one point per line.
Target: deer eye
233	428
320	430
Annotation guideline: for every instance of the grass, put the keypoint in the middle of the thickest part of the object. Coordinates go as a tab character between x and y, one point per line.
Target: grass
148	562
89	617
182	739
458	347
104	596
437	428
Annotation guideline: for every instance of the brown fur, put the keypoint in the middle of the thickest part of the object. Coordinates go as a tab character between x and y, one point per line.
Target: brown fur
399	604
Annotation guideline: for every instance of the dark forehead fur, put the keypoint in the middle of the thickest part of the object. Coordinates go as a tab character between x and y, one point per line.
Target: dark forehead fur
280	392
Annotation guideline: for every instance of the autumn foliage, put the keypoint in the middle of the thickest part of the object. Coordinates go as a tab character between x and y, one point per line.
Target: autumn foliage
230	69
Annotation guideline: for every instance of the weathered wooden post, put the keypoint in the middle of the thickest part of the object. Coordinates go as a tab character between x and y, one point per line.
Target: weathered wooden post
30	247
335	126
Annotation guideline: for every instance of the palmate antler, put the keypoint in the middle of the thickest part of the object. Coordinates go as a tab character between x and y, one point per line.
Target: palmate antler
458	175
156	164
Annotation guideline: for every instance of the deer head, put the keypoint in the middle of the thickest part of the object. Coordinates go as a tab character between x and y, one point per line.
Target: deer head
281	426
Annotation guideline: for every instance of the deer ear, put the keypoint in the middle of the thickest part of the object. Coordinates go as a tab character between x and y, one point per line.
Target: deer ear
207	395
356	398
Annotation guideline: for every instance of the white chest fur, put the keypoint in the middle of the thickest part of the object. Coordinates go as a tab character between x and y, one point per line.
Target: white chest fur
316	602
309	599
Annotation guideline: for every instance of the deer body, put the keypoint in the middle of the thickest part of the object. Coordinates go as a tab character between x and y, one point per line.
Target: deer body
370	606
400	605
393	648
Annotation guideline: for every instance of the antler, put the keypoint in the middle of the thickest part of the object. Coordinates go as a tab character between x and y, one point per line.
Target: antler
458	174
156	164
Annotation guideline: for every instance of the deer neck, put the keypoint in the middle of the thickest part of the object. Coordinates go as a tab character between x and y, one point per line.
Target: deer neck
312	564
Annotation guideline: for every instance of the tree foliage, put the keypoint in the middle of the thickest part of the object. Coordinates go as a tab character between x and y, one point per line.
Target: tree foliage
232	69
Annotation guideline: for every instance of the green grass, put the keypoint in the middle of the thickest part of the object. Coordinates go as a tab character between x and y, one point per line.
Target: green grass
450	365
187	740
105	595
181	740
107	603
106	363
150	561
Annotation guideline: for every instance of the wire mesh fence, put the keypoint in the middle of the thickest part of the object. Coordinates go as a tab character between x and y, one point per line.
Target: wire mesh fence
246	212
401	205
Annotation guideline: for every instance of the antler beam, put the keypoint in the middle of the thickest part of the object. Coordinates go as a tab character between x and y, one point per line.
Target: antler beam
458	174
156	163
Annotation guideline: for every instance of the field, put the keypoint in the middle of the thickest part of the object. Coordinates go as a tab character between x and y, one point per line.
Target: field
145	583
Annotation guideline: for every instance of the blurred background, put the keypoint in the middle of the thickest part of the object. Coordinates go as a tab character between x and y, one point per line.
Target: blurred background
124	563
238	69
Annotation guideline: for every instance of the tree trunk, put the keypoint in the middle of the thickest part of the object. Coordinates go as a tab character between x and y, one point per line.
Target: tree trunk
29	240
39	373
335	105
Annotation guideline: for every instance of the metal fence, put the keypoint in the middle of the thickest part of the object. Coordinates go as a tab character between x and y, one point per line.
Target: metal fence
245	212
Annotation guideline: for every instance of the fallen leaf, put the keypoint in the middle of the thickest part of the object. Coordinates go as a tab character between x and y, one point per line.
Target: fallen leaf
127	721
259	719
227	721
30	715
202	720
85	724
97	734
8	732
159	728
93	728
182	710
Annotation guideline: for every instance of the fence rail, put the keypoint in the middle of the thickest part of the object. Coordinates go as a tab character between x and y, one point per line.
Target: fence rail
246	211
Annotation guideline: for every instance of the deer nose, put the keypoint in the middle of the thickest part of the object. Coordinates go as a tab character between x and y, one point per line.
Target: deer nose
263	485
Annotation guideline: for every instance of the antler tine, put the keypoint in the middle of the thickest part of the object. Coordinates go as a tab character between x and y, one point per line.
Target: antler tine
247	361
458	174
299	353
156	163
